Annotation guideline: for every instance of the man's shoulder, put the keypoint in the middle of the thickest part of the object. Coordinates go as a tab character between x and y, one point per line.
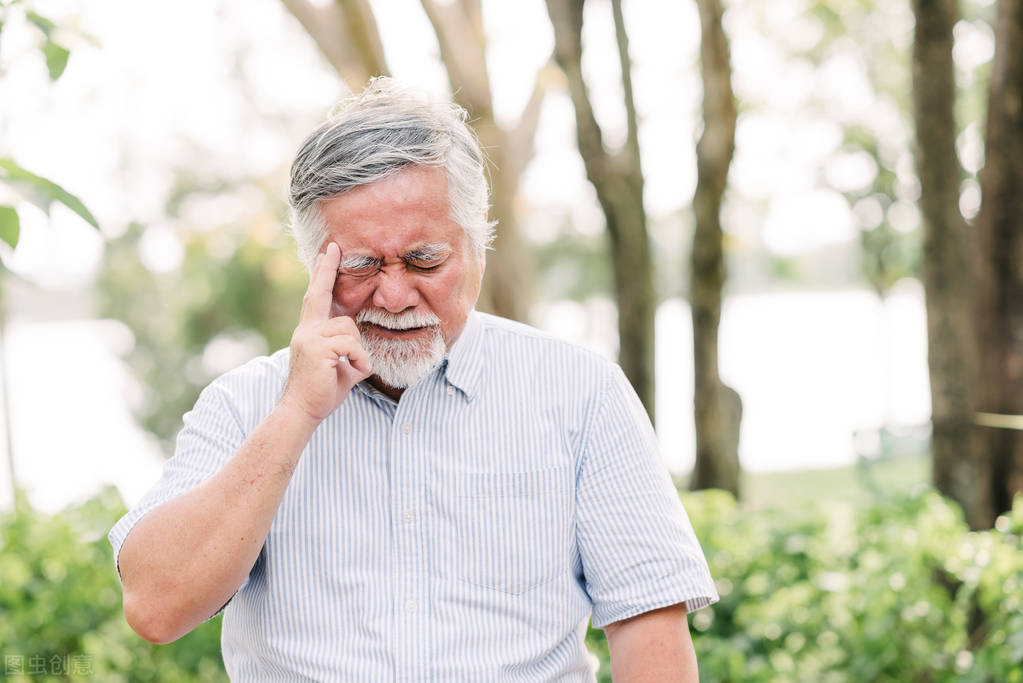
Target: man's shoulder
502	333
245	394
512	330
256	371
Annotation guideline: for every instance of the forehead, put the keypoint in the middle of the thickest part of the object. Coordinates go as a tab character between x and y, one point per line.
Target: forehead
391	217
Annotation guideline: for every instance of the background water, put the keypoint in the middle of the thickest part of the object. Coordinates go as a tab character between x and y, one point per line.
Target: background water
813	370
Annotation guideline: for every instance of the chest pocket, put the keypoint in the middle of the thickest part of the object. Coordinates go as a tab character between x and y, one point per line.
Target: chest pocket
507	531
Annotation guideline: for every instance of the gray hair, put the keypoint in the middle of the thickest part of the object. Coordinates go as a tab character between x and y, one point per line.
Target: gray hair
371	136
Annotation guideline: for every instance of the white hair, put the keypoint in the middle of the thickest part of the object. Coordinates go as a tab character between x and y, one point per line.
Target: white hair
374	134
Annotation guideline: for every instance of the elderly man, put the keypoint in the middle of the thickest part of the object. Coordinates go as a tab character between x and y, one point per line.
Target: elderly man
413	490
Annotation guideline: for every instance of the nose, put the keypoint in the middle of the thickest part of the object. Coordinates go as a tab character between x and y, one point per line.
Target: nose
394	291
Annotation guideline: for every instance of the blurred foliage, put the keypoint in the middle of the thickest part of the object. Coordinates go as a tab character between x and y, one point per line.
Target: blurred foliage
889	252
874	38
890	230
573	266
899	590
236	294
60	604
38	190
18	181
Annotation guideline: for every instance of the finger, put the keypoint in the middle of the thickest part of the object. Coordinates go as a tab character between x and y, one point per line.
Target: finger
359	359
352	350
316	303
342	324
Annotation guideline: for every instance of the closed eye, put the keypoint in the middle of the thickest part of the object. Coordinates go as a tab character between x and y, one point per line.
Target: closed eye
359	272
422	267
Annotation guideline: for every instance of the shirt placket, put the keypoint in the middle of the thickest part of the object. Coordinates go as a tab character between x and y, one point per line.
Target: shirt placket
410	595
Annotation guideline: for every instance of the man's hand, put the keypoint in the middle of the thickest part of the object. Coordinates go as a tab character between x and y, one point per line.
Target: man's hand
186	558
317	381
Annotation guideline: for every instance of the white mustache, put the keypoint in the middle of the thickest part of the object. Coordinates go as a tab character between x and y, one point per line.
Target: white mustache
397	321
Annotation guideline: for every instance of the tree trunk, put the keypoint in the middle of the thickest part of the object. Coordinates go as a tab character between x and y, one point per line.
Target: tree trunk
959	464
718	408
507	288
618	180
998	280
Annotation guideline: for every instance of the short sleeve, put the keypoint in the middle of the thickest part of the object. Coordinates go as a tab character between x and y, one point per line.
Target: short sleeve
211	433
637	546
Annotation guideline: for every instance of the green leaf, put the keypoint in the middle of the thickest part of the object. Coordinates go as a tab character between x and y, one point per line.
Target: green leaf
56	59
44	24
10	227
18	176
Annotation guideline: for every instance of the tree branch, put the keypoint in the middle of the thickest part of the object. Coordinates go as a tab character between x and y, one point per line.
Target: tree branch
474	13
329	30
567	20
625	62
519	141
464	57
365	36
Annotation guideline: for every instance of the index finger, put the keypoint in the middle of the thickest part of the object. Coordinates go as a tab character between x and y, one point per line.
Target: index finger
316	304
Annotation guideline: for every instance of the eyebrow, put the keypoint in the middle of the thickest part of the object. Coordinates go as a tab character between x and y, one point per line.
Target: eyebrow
357	262
430	251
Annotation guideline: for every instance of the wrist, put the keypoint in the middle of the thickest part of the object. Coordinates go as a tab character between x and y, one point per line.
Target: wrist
291	417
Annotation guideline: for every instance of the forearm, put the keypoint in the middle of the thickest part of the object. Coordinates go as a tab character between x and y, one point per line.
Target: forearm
185	559
655	646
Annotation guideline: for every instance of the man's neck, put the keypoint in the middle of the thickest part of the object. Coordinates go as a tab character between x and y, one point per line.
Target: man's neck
385	389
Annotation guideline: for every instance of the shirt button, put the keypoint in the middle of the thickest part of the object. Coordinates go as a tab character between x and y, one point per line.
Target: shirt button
409	517
407	428
410	606
451	391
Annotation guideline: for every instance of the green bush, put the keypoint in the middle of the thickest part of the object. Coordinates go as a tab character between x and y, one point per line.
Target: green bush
60	605
898	591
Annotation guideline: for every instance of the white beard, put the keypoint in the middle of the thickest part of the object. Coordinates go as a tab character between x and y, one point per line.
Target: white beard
400	363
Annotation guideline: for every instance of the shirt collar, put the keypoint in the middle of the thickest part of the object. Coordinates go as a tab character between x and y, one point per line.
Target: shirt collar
372	392
464	366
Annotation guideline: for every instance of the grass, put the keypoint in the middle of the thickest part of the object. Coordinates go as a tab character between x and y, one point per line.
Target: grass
855	485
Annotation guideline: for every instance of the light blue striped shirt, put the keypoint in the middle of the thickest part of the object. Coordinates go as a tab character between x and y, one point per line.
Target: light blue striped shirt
464	532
